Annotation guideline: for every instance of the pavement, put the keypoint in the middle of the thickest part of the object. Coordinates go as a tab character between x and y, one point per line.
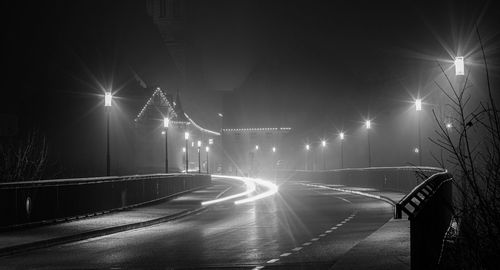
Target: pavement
23	240
306	226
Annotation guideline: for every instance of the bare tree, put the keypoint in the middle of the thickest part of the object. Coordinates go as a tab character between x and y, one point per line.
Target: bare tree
471	142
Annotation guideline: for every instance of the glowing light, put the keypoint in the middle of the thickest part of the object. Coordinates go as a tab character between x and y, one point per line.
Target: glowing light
274	149
107	99
418	104
307	147
257	147
220	115
210	141
163	132
186	135
250	188
271	190
184	149
207	149
416	150
192	144
166	122
449	125
459	65
199	144
368	124
341	135
256	129
323	143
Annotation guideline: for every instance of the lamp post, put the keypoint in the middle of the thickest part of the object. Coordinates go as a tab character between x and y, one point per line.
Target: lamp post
186	137
368	125
207	149
418	108
166	123
323	145
341	135
199	157
275	163
108	97
307	156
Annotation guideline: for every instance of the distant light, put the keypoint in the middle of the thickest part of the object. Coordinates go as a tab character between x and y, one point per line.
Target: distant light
107	99
368	124
186	135
416	150
341	135
220	115
192	144
199	143
166	122
207	149
323	143
163	132
257	147
184	149
274	149
449	125
307	147
210	141
418	104
459	65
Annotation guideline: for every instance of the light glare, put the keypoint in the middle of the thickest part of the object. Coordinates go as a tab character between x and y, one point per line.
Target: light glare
459	65
368	124
342	135
166	122
186	135
107	99
418	104
323	143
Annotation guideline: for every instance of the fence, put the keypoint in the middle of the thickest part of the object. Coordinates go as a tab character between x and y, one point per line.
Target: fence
24	203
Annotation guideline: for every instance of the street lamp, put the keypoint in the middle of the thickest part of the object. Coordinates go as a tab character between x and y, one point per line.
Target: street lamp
207	149
341	135
256	147
459	65
186	137
274	149
199	157
108	97
166	122
368	125
418	108
323	145
307	156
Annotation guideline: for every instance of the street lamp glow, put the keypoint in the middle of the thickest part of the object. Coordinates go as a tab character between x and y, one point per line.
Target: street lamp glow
166	122
210	141
459	65
186	135
418	104
416	150
107	99
163	132
323	143
199	143
184	149
341	135
368	124
274	149
220	115
207	149
307	147
449	125
257	147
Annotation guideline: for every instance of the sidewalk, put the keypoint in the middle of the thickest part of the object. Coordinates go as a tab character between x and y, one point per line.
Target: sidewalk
49	235
387	248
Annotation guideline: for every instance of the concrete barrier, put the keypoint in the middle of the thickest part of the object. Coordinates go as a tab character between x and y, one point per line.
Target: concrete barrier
36	202
401	179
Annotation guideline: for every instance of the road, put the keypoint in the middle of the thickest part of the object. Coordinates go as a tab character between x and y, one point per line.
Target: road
302	227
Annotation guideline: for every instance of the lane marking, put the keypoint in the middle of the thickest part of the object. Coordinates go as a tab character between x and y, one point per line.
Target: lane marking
315	239
285	254
306	243
297	249
344	199
340	224
328	231
334	228
273	261
322	235
258	267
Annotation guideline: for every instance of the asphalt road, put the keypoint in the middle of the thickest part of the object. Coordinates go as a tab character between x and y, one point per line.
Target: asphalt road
302	227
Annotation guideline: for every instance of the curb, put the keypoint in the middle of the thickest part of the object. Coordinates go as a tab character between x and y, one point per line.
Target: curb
95	233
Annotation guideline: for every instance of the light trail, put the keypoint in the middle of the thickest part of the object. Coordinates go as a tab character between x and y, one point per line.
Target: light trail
251	187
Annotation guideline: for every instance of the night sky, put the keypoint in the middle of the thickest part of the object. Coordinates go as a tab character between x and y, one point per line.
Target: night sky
326	64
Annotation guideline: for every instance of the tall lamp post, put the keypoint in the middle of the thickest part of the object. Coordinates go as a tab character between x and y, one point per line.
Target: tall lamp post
166	122
108	97
323	145
307	156
418	108
186	137
341	135
368	125
199	157
207	149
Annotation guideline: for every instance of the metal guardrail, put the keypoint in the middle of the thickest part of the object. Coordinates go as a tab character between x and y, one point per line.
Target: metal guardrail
46	201
429	209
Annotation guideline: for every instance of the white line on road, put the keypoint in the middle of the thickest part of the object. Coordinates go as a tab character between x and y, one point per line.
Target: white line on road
334	228
306	243
328	231
258	267
340	224
273	261
322	235
315	239
285	254
297	249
